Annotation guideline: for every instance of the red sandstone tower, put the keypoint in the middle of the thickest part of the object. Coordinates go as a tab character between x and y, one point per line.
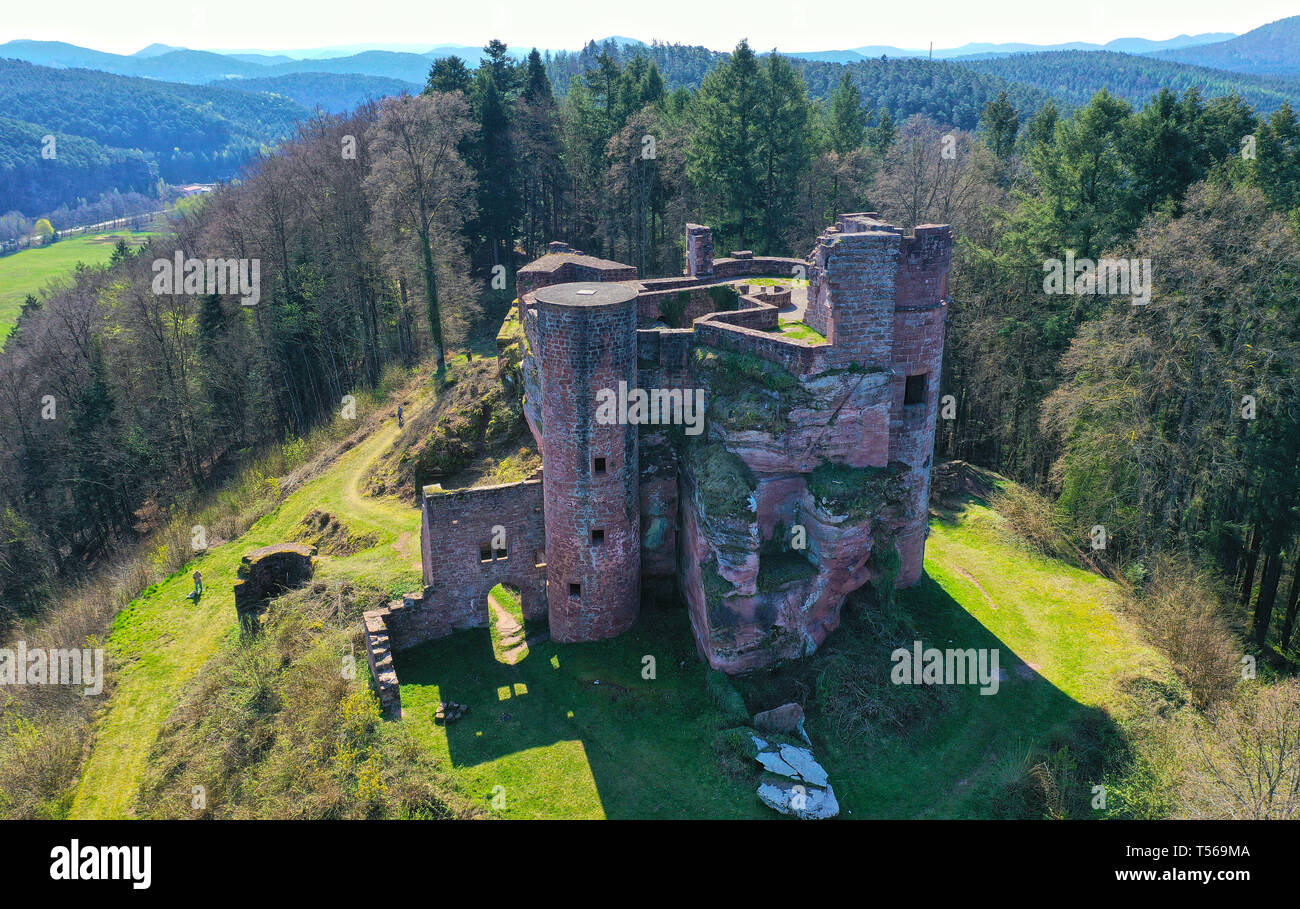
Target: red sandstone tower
860	267
587	335
920	310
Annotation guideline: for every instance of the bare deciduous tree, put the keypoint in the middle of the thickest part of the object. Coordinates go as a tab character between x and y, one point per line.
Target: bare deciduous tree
421	189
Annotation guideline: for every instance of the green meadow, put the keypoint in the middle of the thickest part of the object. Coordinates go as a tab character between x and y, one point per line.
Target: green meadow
33	270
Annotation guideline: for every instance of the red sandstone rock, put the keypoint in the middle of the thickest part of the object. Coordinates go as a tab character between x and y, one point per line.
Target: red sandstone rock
786	719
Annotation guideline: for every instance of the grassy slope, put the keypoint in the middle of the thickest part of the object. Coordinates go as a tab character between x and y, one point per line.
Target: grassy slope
563	746
574	731
161	640
29	271
1065	654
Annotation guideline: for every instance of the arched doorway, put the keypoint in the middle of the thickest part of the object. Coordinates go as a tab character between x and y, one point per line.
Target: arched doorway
506	622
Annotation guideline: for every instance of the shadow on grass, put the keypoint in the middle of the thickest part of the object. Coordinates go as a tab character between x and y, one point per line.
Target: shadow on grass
1029	750
646	743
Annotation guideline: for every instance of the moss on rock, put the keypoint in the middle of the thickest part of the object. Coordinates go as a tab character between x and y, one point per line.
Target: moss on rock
746	392
857	492
724	485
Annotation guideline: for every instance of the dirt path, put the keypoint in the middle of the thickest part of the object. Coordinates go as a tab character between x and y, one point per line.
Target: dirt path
509	644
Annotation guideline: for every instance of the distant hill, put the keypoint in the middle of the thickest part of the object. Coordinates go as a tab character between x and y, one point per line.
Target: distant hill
985	50
331	92
59	54
80	169
188	133
948	92
470	52
1272	49
155	49
198	67
1075	76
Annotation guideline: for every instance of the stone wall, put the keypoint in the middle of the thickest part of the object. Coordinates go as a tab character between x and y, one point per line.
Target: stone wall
793	355
379	655
458	528
853	286
268	572
650	304
567	265
876	293
699	251
759	266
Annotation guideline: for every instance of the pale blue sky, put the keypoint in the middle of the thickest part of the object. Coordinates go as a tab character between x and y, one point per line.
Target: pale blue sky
791	25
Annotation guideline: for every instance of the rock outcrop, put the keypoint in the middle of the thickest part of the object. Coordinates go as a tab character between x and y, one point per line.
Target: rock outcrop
785	720
788	503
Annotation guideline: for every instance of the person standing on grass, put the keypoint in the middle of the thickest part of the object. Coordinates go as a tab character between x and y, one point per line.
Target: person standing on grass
198	585
400	420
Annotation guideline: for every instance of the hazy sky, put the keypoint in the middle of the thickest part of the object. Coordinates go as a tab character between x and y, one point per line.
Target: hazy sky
791	25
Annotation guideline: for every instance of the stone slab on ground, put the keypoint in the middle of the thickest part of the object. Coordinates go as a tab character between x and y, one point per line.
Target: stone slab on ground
809	803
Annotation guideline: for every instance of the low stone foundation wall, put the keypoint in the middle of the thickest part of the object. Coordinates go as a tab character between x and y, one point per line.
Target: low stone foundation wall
798	357
268	572
763	266
379	654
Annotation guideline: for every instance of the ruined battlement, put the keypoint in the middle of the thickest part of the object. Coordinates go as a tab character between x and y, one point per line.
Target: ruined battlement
804	469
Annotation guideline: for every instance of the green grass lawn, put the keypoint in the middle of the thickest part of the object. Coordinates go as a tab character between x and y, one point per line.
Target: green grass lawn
29	271
574	730
802	332
1065	653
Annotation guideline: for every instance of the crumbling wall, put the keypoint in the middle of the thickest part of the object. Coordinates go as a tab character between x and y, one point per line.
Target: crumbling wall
699	251
853	284
268	572
458	531
920	315
379	656
837	446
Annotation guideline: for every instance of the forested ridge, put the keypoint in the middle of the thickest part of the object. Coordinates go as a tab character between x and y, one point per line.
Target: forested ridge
1171	425
145	128
191	132
1072	77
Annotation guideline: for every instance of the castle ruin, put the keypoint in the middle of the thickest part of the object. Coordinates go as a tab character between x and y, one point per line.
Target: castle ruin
808	477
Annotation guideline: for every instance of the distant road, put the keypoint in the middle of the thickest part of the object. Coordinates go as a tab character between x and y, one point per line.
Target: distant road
130	222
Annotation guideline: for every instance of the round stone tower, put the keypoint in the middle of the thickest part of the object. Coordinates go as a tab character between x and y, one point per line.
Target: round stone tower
587	339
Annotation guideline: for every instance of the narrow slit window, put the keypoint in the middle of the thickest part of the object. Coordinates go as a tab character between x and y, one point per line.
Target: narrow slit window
598	465
502	553
485	553
575	590
597	536
914	392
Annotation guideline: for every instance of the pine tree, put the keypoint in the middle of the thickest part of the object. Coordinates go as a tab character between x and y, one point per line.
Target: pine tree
783	149
882	135
847	125
724	157
1000	123
448	74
